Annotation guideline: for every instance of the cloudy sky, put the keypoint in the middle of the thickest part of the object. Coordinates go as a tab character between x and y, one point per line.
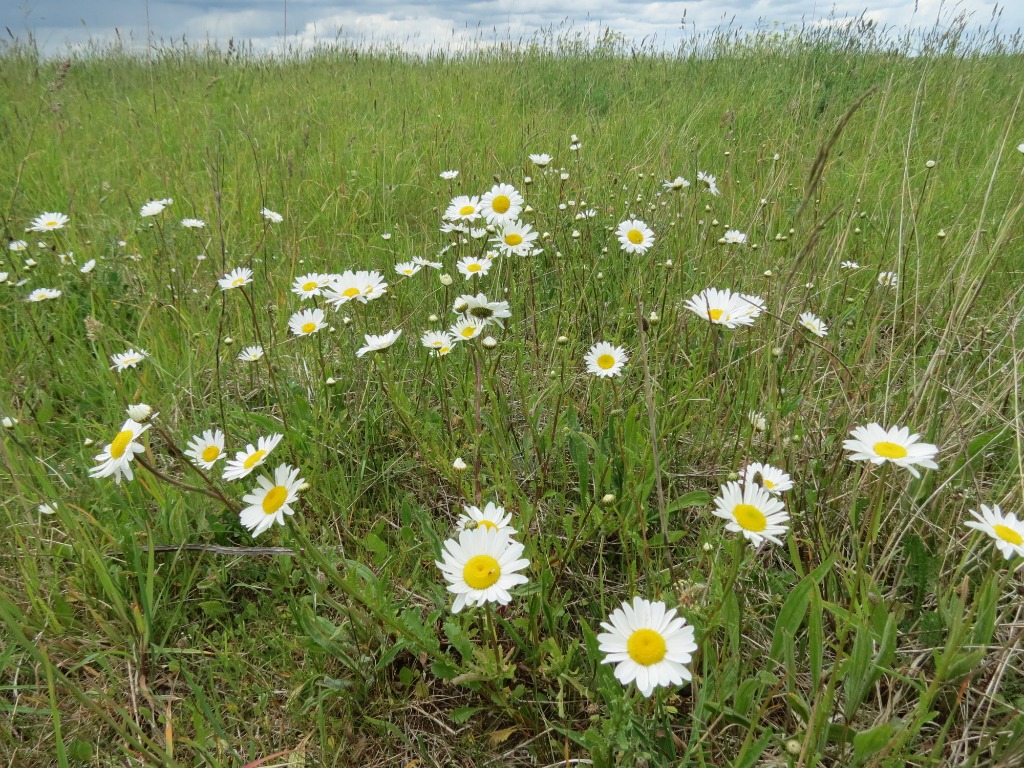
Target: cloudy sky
274	24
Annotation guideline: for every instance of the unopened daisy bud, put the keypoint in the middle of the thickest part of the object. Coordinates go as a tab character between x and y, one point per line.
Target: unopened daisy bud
669	263
459	465
797	439
942	234
139	411
608	499
346	320
776	351
445	279
775	157
88	441
489	342
330	381
707	547
793	747
527	180
564	176
228	341
767	273
733	476
929	164
9	422
714	222
653	318
562	339
856	230
528	209
600	275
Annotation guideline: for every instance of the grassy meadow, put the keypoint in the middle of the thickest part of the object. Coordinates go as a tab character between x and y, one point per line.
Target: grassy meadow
142	624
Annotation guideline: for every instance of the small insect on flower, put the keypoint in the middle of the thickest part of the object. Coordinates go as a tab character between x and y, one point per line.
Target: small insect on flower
272	216
482	566
43	294
271	500
377	343
491	517
814	324
47	222
648	645
117	456
635	236
878	445
129	359
725	307
772	479
307	286
236	278
605	361
751	511
307	322
501	204
253	455
471	267
408	268
206	449
1005	529
251	354
193	223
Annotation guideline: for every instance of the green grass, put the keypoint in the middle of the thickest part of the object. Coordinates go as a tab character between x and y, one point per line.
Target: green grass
883	633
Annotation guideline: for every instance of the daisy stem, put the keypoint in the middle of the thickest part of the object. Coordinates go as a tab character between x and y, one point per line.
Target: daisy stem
266	352
184	486
48	347
492	632
739	551
478	424
181	457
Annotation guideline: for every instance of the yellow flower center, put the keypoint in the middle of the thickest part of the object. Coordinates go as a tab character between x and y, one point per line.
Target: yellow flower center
481	572
120	444
1008	534
350	292
468	332
210	453
635	236
310	285
768	483
605	362
474	267
514	238
466	210
500	204
890	450
308	327
646	647
749	517
274	499
487	524
715	314
51	223
443	350
238	282
255	459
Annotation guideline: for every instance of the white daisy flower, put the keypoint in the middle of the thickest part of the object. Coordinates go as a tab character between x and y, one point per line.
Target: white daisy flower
814	324
377	343
515	238
362	286
752	511
308	286
725	307
481	567
307	322
251	354
47	222
501	204
117	456
734	237
88	267
1005	529
422	262
676	184
605	361
154	207
206	449
272	216
757	421
253	455
479	308
467	328
43	294
271	500
448	175
129	359
139	412
772	479
710	182
849	265
878	445
193	223
491	517
463	208
236	278
471	266
439	342
648	645
888	279
408	268
635	236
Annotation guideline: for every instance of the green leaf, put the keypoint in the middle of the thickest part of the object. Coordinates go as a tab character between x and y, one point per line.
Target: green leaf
752	753
691	499
457	637
867	743
460	715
